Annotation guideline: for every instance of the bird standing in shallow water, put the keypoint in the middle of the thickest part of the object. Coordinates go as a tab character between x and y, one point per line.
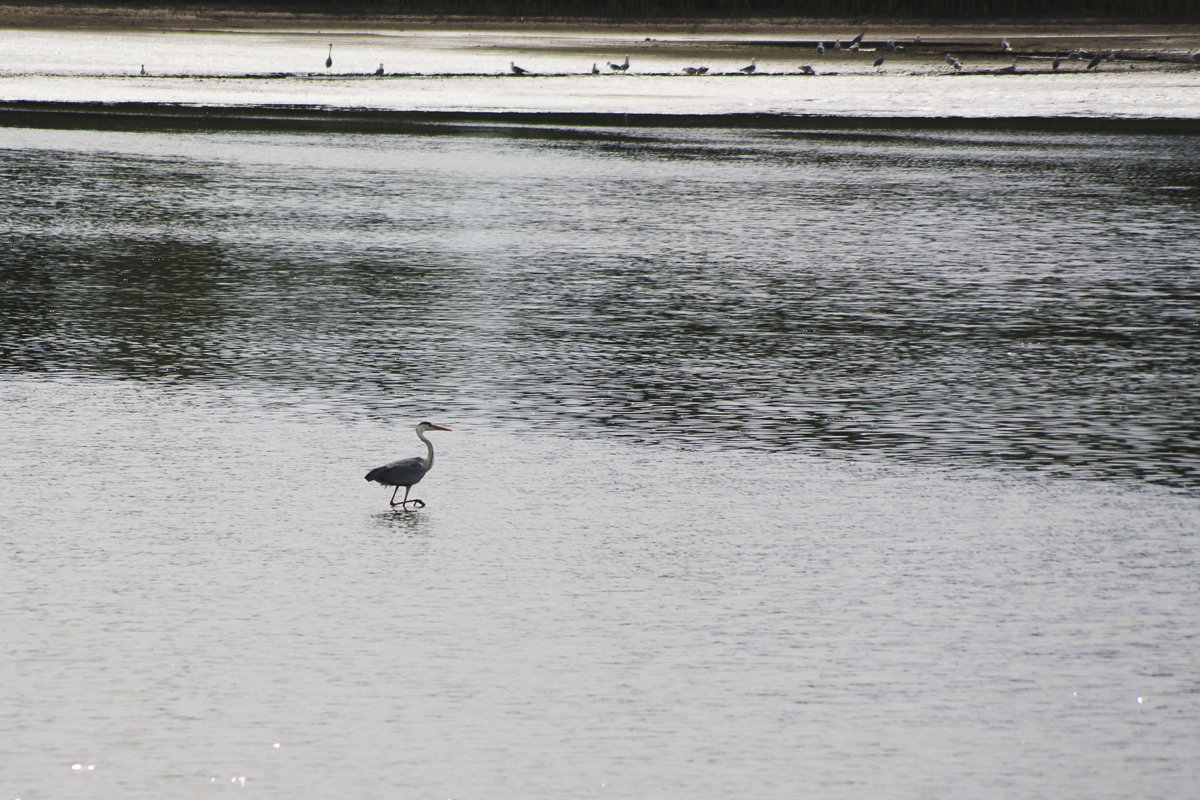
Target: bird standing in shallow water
753	65
407	472
517	70
329	58
622	67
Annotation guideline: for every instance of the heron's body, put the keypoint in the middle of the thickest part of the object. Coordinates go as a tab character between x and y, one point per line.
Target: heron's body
407	472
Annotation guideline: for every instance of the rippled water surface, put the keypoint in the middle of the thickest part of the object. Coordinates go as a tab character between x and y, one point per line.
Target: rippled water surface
856	463
950	298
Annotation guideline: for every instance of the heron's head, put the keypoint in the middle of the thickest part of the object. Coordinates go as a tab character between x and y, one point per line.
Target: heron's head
429	426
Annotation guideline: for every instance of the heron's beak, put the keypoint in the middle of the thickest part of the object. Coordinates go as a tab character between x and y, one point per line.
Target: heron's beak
440	428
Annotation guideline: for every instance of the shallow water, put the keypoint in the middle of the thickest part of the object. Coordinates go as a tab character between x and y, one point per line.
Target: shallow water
469	71
840	463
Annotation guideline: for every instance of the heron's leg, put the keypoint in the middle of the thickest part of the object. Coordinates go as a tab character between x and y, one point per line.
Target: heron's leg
415	502
393	500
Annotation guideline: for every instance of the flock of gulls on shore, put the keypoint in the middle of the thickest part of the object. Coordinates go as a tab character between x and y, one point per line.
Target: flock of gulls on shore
880	52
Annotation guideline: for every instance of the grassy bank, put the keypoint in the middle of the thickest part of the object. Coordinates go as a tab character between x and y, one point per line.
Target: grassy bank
631	10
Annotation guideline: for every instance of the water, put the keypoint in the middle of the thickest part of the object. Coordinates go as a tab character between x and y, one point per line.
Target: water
832	462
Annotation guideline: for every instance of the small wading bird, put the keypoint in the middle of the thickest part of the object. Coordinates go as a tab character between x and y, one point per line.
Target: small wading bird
329	58
407	472
622	67
517	70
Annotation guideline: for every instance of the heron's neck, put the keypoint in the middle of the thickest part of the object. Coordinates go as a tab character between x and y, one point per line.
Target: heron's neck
429	447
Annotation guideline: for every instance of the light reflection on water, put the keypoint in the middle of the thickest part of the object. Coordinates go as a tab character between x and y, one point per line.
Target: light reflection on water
964	299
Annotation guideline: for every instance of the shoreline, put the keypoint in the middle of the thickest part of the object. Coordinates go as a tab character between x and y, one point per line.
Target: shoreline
140	116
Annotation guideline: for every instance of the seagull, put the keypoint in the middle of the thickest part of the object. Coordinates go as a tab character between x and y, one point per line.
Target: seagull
1010	68
1096	59
517	70
807	70
380	70
879	62
701	70
1190	57
1004	46
891	43
837	44
952	61
753	65
820	48
620	67
689	70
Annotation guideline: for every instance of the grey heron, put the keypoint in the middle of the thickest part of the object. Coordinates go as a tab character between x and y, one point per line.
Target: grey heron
1096	59
407	472
878	62
329	58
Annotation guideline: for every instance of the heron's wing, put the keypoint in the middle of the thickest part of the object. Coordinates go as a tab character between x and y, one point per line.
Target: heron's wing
404	472
416	462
